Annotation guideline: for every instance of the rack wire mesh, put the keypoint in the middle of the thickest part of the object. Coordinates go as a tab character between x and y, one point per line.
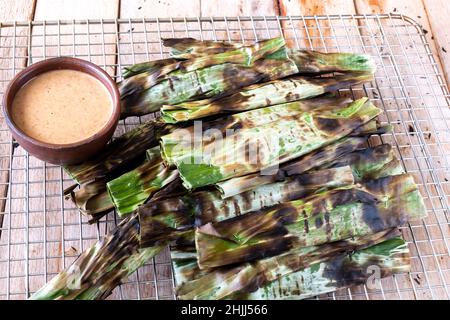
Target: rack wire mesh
41	233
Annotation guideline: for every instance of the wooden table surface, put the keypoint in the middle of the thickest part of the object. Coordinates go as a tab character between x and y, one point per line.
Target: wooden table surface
431	14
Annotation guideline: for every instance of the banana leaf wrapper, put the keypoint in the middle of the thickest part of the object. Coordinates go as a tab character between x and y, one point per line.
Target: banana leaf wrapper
315	62
320	157
307	61
345	270
92	198
187	48
371	163
99	269
261	95
120	152
278	133
200	78
165	219
150	67
182	49
225	282
135	187
331	216
356	268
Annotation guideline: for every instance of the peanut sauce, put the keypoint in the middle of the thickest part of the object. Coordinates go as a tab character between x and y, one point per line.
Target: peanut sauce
62	107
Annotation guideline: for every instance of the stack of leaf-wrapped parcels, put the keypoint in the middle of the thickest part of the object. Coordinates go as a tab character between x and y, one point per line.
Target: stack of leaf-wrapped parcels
255	172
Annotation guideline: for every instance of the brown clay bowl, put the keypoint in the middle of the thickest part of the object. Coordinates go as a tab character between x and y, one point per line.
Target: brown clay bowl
62	153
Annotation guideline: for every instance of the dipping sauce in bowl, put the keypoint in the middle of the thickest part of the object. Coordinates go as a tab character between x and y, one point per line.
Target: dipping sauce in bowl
62	106
62	110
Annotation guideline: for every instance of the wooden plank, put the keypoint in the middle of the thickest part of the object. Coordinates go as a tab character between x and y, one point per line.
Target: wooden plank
9	10
53	224
438	12
414	9
232	8
405	82
144	44
241	31
159	9
321	35
80	9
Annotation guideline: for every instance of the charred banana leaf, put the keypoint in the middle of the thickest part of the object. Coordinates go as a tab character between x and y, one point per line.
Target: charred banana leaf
261	95
204	77
309	61
389	257
326	157
279	133
187	48
135	187
122	151
370	163
222	283
165	219
150	67
345	270
98	270
330	216
92	198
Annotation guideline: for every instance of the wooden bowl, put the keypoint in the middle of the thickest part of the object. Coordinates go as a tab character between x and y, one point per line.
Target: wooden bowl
62	153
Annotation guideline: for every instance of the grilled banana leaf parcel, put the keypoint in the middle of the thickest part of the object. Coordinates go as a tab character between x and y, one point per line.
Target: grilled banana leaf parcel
369	163
133	188
309	61
225	282
92	198
261	95
205	76
344	270
166	219
265	138
99	269
122	151
333	215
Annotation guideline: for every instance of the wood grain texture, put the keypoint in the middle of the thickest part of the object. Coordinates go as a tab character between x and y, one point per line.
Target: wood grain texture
410	82
438	12
160	9
433	17
414	9
242	31
80	9
10	10
308	35
233	8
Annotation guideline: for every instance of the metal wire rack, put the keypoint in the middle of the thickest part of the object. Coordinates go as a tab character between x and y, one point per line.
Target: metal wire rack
41	233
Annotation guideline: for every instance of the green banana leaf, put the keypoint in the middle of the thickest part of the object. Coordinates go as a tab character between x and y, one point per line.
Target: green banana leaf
280	133
165	219
344	270
332	215
225	282
99	269
119	153
135	187
261	95
205	76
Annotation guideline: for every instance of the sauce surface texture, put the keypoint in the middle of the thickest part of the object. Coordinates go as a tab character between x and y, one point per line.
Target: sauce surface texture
62	107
